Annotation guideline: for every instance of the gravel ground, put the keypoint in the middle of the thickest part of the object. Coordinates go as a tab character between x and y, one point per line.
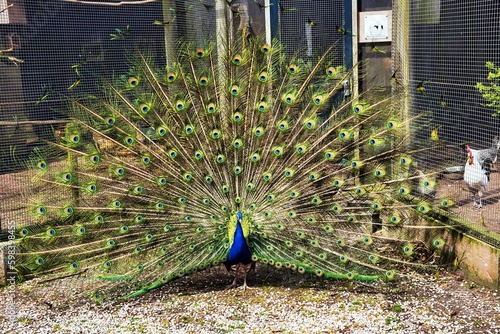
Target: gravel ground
279	302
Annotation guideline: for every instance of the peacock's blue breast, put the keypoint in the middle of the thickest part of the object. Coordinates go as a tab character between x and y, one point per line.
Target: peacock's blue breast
239	251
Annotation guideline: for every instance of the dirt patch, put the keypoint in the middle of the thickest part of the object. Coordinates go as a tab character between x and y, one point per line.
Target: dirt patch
280	301
454	187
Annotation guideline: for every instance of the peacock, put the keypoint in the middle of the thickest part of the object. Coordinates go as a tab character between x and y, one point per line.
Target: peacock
228	156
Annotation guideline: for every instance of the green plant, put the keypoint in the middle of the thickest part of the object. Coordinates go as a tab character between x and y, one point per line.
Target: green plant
491	91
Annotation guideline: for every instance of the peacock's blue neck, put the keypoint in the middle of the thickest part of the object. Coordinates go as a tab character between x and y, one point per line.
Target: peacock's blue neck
239	251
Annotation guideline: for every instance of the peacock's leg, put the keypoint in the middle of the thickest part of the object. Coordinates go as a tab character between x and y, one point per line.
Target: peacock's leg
241	270
245	286
232	285
246	269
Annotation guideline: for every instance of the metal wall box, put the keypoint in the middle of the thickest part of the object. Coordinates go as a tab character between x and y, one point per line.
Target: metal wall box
375	26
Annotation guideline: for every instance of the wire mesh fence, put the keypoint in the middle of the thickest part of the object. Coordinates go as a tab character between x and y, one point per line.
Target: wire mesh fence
449	45
48	48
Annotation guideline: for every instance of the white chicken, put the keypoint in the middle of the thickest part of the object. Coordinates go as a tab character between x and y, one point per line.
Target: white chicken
477	173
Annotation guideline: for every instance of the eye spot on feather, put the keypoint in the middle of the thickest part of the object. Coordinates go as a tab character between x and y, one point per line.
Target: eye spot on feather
289	99
119	171
235	90
189	129
258	131
187	176
133	82
161	181
68	211
215	134
263	76
95	159
277	151
200	52
283	126
262	106
109	121
203	81
144	108
171	76
237	143
40	210
211	108
179	105
310	124
220	158
161	131
237	170
237	117
198	155
75	139
255	157
438	243
331	72
318	100
129	140
301	149
408	250
237	59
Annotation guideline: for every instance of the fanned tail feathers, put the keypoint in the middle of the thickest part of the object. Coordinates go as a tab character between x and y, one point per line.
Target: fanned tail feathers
159	165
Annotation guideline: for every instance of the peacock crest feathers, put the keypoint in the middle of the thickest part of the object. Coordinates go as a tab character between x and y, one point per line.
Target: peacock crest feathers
166	162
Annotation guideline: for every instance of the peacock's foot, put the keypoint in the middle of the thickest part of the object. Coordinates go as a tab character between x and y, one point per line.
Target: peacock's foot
235	286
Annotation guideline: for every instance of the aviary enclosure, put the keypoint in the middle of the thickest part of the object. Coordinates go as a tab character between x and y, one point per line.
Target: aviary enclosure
438	60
